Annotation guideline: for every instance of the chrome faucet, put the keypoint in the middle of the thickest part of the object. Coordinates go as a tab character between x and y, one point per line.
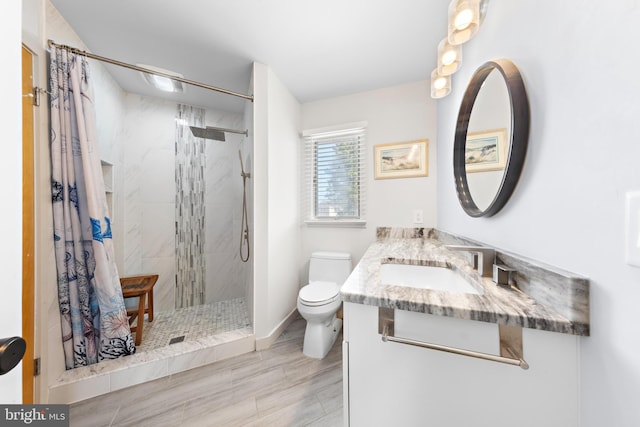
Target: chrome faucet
483	258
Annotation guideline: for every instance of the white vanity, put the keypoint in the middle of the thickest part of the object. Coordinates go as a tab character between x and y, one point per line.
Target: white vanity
386	383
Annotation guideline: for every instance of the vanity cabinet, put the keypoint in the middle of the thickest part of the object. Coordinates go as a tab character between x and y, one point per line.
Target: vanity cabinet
394	384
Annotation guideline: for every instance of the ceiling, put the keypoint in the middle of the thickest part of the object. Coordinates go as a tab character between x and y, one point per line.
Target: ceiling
318	49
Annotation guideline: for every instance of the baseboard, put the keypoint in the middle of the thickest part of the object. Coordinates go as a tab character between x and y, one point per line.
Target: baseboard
265	342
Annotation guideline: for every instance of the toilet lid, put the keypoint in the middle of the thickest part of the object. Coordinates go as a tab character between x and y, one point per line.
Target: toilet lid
319	292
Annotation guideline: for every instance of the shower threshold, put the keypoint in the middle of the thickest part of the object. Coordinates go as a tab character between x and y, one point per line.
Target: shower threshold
201	335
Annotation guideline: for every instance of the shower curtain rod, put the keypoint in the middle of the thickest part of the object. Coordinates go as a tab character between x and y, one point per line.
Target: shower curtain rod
148	71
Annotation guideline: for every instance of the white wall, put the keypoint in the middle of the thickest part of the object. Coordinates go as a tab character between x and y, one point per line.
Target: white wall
247	150
394	114
579	64
260	202
284	199
11	175
276	200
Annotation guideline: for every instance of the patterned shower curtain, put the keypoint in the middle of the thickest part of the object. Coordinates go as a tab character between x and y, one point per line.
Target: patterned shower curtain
94	319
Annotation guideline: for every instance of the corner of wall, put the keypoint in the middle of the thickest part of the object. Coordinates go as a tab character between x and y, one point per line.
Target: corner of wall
276	224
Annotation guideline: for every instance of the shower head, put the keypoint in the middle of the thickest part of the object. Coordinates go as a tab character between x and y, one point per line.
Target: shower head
211	132
208	133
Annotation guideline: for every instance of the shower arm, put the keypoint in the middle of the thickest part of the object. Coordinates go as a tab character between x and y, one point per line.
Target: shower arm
241	132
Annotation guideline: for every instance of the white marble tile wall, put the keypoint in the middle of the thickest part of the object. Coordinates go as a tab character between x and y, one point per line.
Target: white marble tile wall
149	193
150	201
224	212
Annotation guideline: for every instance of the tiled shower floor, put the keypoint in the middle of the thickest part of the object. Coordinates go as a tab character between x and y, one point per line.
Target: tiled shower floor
193	323
204	334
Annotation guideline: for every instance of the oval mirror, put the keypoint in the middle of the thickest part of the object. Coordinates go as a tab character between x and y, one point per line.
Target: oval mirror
492	133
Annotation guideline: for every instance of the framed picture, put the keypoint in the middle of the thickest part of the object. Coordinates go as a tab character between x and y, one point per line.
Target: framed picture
402	159
485	151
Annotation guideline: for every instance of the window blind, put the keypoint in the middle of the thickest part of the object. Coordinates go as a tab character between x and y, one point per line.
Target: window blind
334	175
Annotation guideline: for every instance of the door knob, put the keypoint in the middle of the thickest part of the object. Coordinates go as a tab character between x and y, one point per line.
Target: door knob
11	352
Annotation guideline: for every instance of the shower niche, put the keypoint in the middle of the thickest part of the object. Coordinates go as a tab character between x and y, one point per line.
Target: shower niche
107	176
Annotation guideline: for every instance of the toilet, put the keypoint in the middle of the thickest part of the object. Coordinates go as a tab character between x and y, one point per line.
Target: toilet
319	301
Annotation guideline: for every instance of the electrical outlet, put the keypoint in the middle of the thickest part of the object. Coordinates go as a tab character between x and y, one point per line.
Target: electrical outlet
632	228
417	216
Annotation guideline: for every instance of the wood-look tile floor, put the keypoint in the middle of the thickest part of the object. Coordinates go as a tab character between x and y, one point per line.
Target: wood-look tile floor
274	387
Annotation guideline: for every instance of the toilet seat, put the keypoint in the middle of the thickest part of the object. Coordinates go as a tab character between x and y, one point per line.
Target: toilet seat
319	293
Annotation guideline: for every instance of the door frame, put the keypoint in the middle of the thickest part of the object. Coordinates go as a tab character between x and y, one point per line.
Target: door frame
28	223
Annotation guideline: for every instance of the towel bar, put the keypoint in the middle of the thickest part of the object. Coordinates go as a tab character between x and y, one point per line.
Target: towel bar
510	341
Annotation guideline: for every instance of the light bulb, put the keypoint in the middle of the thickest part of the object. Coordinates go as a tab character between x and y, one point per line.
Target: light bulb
449	57
463	19
439	83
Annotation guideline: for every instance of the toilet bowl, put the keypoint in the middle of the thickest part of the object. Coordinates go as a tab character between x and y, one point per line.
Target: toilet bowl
319	301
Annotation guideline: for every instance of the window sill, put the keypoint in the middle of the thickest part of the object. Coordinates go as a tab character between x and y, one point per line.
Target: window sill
337	223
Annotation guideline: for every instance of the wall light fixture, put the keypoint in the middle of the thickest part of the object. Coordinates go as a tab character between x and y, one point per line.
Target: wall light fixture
464	20
465	17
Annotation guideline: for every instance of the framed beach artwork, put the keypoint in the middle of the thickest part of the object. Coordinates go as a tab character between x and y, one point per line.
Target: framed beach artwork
402	159
485	151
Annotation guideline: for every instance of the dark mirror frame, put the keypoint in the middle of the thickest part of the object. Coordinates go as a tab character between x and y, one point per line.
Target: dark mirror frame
518	139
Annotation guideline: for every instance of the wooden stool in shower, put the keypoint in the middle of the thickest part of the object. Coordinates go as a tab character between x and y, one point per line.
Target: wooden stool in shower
140	287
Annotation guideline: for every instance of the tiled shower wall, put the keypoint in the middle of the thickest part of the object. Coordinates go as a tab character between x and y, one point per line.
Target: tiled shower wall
190	161
149	206
226	273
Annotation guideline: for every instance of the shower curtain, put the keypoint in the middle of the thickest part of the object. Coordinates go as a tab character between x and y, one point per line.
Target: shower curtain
94	319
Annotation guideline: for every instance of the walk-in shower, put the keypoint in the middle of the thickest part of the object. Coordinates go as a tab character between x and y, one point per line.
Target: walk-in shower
159	229
177	208
190	198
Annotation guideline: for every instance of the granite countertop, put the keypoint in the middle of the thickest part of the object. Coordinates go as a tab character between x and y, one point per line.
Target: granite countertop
508	305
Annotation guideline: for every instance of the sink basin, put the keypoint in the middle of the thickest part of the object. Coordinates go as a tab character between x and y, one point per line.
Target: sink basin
425	277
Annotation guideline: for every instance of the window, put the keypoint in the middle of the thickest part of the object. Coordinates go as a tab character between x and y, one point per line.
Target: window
334	176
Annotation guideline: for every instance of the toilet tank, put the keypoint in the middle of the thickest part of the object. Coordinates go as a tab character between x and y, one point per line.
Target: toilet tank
329	266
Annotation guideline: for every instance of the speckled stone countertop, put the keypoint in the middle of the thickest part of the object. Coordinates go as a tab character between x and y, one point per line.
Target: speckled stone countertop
540	297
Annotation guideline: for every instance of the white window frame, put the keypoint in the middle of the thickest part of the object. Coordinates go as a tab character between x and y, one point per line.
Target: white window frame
311	138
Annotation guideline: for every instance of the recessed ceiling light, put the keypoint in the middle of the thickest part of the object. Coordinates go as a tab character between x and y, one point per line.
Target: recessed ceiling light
163	83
